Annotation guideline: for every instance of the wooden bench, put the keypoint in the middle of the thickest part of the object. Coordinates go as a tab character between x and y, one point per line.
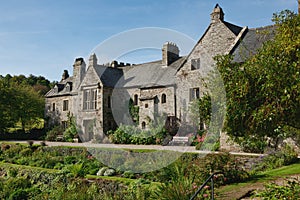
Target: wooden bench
179	140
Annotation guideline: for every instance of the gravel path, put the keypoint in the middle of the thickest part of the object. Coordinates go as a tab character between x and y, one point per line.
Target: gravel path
190	149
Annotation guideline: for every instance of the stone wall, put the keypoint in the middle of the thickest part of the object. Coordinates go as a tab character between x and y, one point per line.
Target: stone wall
58	115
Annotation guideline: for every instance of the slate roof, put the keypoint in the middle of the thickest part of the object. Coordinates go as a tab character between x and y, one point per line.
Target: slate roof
60	88
251	41
109	76
151	74
234	28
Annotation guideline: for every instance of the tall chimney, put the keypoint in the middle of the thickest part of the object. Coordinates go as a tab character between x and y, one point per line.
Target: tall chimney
78	72
170	53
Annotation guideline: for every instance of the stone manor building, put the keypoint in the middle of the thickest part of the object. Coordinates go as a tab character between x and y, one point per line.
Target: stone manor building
168	86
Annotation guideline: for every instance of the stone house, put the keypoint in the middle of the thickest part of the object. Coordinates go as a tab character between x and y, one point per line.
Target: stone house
98	95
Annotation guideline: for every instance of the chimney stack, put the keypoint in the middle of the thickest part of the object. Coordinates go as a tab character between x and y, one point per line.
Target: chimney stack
170	53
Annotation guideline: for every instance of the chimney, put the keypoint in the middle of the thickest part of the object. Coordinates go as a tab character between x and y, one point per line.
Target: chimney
217	14
78	72
65	75
114	64
170	53
93	60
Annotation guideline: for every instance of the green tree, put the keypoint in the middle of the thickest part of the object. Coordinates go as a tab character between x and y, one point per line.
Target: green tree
6	118
263	94
27	104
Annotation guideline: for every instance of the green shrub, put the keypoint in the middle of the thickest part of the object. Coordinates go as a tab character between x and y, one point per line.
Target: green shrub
70	160
291	191
54	132
26	152
276	159
128	174
76	170
134	135
253	145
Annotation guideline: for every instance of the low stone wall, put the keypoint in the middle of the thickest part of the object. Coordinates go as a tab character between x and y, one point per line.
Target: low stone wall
226	144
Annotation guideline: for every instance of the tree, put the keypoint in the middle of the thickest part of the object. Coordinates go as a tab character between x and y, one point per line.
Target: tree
19	102
263	94
6	118
28	105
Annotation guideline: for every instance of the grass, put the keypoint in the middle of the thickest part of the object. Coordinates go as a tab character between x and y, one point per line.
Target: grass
38	124
260	179
283	171
2	164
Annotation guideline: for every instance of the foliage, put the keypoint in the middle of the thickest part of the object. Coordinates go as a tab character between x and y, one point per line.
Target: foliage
35	183
54	132
264	92
19	103
71	131
273	160
200	110
134	111
291	190
182	178
126	134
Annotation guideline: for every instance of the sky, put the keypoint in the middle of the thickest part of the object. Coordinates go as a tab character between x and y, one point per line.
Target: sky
43	37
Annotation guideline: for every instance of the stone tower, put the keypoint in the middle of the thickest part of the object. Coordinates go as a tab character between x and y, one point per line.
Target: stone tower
170	53
78	72
217	14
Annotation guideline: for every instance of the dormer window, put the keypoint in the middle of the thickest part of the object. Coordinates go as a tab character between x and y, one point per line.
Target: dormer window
195	64
55	88
68	87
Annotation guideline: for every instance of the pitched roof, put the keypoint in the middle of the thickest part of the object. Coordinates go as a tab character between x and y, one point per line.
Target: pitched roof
63	88
234	28
109	76
251	41
151	74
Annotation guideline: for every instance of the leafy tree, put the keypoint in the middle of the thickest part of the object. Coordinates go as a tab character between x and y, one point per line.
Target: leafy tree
28	105
6	118
21	100
263	94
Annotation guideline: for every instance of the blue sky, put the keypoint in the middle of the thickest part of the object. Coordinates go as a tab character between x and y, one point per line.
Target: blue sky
43	37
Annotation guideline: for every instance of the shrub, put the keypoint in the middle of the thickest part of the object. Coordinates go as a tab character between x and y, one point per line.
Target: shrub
253	145
54	132
291	190
128	174
285	156
26	152
134	135
76	170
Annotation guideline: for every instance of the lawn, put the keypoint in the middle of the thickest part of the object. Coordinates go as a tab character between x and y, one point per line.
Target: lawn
237	190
